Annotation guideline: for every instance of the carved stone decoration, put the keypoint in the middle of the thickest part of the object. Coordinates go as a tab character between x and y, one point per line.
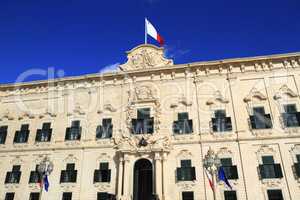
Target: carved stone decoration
145	56
186	185
103	156
142	94
125	143
102	187
25	115
285	90
184	154
181	100
265	150
109	107
77	110
17	160
47	113
218	97
255	93
7	115
71	159
224	151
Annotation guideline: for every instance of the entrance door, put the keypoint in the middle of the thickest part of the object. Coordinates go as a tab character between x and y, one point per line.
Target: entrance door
143	182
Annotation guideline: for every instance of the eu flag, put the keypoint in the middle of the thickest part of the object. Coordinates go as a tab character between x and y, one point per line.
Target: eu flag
46	183
222	177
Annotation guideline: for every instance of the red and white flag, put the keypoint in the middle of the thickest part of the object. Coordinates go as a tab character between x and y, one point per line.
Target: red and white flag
150	30
209	177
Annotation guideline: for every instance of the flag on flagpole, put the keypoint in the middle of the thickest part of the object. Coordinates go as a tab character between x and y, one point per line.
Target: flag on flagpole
209	177
46	183
222	177
150	30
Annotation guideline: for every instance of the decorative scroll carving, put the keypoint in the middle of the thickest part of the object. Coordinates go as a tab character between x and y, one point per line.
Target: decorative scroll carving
184	154
254	93
264	150
145	56
132	144
285	90
218	97
77	110
7	115
48	113
26	115
109	107
181	100
71	159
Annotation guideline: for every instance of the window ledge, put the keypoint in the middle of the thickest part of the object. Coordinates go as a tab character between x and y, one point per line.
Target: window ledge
68	185
187	185
292	130
103	186
261	132
12	186
271	182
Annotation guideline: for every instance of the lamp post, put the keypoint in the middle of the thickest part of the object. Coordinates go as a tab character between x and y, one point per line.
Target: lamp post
45	168
212	163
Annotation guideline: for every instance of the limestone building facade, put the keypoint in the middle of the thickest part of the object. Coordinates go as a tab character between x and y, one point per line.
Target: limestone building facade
146	128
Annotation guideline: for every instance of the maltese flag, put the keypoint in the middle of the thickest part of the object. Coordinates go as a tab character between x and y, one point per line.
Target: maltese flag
150	30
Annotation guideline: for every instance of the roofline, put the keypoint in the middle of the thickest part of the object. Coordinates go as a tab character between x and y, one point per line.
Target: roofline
175	66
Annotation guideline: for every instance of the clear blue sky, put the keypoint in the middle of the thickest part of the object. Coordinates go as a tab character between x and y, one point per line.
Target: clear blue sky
83	36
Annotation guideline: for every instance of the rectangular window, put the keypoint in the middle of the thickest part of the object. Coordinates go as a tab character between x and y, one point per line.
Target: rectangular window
9	196
230	195
269	169
34	176
297	165
291	118
69	175
13	176
73	132
187	195
3	134
103	174
260	120
102	196
186	172
183	125
144	124
221	123
67	196
268	160
34	196
22	135
104	130
229	169
44	134
275	195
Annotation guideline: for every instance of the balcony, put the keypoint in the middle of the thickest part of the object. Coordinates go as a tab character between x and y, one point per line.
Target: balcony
21	136
12	177
73	133
43	135
221	124
269	171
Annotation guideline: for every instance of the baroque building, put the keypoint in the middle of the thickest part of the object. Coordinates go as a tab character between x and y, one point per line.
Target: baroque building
146	128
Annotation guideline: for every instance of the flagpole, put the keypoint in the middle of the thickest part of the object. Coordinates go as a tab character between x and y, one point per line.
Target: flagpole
145	30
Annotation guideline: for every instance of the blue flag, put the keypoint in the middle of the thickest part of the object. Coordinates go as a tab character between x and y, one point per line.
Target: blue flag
222	177
46	183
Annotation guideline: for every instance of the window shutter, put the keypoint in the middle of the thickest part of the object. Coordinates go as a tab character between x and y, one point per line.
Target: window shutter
179	174
7	178
214	124
261	172
297	169
183	116
268	121
193	171
234	172
278	171
74	173
228	124
252	122
96	176
108	175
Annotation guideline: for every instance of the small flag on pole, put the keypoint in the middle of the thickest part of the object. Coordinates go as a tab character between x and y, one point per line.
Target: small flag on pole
46	183
209	177
150	30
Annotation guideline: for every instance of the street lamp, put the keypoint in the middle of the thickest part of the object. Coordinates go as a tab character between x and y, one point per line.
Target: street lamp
212	163
44	169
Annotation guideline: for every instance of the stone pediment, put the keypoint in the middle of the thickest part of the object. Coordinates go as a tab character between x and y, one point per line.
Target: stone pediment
144	57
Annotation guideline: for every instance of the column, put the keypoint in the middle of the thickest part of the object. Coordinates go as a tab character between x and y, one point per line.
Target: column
158	175
164	182
120	177
126	185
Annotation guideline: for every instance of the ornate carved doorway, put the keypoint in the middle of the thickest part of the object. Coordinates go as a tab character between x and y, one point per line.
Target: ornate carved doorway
143	180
